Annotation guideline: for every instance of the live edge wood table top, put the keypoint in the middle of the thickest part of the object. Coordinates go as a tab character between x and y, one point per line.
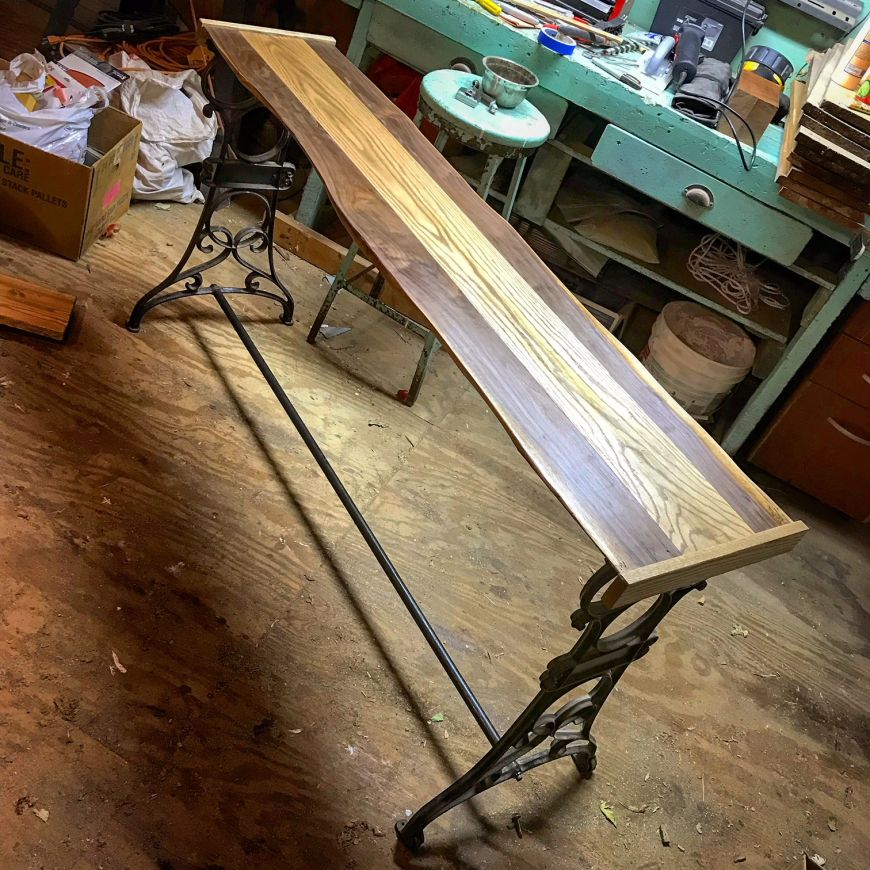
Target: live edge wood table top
656	494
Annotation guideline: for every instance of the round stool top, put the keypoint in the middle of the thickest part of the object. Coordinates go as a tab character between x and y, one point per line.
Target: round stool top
523	128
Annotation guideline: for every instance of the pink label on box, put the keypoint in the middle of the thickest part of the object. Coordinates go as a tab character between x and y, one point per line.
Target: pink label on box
112	194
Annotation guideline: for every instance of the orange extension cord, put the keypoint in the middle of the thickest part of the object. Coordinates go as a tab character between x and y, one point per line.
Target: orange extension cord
174	53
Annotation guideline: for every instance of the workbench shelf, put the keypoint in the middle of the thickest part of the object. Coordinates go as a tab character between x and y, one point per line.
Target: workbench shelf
676	240
805	266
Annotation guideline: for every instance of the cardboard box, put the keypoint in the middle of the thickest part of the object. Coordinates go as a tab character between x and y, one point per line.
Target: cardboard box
62	206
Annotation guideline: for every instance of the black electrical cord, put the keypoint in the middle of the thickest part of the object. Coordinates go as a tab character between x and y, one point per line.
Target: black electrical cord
742	51
724	107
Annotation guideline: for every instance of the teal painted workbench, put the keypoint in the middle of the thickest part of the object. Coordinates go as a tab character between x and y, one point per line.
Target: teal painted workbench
648	146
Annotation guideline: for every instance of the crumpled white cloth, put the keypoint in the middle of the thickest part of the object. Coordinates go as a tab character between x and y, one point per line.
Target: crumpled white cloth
175	131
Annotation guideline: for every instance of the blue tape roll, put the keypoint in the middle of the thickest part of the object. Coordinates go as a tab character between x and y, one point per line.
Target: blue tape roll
555	41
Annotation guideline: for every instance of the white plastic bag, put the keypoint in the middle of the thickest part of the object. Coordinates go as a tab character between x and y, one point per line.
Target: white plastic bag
175	131
61	131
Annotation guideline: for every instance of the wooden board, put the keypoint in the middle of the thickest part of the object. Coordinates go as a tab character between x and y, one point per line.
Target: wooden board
827	211
833	136
826	175
639	475
817	147
811	191
33	308
832	122
323	252
839	193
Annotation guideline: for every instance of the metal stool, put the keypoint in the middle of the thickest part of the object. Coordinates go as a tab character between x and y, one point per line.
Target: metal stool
502	134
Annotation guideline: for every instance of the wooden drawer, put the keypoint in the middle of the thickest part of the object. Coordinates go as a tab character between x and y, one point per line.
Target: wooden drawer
733	213
859	324
821	444
845	369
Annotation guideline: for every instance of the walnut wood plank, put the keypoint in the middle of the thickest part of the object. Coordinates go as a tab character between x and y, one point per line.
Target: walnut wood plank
839	193
828	176
816	147
33	308
642	478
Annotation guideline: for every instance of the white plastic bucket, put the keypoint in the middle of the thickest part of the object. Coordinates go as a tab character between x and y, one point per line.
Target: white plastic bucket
698	356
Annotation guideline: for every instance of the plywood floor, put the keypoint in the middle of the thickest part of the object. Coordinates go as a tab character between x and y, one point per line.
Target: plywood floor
156	507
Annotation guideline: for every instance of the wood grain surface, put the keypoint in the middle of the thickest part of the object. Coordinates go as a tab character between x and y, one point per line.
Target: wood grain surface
640	476
277	646
34	308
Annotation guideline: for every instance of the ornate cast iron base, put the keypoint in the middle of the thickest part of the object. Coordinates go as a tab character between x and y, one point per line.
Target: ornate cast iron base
538	736
232	173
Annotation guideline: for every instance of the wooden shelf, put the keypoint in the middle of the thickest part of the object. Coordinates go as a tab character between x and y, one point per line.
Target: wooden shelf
675	242
571	142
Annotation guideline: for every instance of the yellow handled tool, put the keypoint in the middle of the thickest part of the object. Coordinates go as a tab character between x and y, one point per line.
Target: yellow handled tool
491	7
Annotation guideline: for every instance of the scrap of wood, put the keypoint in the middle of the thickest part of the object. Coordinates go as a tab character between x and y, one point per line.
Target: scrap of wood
843	128
326	254
809	122
34	308
831	194
854	215
818	147
756	100
830	214
828	176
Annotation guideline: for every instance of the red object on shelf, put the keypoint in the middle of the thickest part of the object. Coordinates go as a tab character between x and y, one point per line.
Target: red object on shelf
399	82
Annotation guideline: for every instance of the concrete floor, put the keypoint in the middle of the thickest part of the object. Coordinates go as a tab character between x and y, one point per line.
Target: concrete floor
274	706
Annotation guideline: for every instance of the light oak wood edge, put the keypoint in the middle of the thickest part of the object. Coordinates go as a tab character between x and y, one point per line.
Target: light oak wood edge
209	23
690	568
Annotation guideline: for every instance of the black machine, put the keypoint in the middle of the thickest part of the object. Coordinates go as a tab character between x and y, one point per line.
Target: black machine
721	24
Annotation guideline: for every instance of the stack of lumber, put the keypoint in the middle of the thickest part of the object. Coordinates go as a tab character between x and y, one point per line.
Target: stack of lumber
825	160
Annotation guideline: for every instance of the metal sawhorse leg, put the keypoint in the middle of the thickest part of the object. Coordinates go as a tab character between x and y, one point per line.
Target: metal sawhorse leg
340	281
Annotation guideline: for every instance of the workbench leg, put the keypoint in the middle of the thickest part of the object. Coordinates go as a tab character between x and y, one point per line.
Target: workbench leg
546	174
596	662
796	354
313	200
314	194
430	348
516	178
336	283
492	164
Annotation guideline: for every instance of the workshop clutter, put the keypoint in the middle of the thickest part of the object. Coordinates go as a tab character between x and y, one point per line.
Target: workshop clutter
602	211
48	105
66	163
175	129
697	356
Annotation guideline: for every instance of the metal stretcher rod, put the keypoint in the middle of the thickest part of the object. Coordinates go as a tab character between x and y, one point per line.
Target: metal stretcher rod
365	530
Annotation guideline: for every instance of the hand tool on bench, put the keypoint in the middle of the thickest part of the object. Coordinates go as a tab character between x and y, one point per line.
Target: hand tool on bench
662	501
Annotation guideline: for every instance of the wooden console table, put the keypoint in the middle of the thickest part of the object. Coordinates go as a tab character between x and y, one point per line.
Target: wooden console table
663	502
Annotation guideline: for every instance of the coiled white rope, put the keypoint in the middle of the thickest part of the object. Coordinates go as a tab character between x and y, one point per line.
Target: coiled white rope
722	264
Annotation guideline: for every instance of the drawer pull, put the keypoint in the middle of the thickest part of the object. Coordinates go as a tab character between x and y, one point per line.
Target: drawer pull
866	378
850	435
700	195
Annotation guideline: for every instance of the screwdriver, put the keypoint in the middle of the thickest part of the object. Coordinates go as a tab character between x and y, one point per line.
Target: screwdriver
625	78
